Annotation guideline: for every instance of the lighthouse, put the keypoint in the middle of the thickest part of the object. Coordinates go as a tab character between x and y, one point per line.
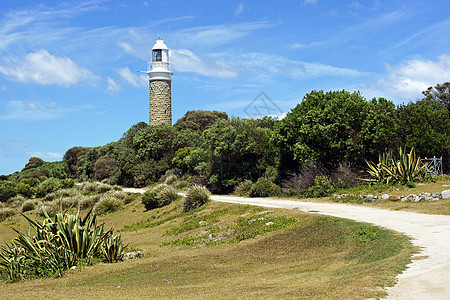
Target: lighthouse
160	73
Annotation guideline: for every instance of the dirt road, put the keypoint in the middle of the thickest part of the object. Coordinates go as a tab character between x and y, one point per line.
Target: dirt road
427	277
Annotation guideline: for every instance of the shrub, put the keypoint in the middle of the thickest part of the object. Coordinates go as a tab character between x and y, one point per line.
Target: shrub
196	196
322	187
264	188
304	178
243	188
149	200
33	182
7	191
16	201
6	213
67	183
28	205
107	205
47	186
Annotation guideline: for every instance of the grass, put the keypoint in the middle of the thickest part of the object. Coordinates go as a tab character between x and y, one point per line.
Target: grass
301	256
440	207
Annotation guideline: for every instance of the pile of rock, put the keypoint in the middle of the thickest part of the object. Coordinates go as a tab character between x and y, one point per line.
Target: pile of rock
422	197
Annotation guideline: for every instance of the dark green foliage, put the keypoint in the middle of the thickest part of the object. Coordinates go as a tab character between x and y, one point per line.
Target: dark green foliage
425	127
7	190
440	93
199	120
48	186
34	162
264	188
322	187
24	189
239	150
32	182
67	183
73	158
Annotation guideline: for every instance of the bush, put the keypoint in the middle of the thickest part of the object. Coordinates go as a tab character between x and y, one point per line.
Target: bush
28	205
7	191
6	213
16	201
67	183
264	188
33	182
161	195
322	187
88	201
47	186
243	188
196	196
107	205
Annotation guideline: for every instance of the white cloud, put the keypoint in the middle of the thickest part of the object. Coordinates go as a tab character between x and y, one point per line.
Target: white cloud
113	87
45	155
265	67
36	110
132	78
43	68
186	61
240	9
409	79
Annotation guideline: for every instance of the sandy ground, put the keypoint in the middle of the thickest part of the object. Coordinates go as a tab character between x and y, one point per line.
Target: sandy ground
428	277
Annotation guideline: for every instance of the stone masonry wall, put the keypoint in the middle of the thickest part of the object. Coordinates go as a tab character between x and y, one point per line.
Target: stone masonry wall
160	103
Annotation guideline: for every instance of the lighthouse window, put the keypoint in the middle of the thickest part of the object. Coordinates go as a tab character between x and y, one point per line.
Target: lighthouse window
157	55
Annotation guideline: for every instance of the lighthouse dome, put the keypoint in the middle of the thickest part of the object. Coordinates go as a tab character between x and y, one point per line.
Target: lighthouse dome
159	45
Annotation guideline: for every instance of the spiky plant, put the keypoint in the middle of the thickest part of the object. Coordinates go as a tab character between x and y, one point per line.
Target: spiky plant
56	245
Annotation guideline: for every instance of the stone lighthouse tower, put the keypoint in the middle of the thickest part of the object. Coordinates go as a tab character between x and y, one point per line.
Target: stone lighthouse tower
159	73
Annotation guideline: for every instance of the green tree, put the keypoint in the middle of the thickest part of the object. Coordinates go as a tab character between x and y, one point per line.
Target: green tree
324	127
239	150
33	162
440	93
425	126
199	120
380	128
73	159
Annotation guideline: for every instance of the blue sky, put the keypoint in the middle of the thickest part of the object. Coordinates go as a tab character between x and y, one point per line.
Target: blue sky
68	70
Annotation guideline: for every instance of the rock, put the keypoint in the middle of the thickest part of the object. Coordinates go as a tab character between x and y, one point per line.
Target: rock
201	223
269	223
131	255
412	198
384	197
436	195
73	268
265	212
445	194
395	198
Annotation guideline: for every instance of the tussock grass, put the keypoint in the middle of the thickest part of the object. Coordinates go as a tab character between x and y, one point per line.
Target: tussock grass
305	256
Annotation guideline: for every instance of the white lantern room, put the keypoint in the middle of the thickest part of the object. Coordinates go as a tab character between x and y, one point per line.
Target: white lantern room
160	68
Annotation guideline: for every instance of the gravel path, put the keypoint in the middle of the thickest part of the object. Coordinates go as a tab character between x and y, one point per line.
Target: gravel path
428	277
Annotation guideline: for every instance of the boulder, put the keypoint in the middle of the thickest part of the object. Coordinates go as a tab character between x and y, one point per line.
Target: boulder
445	194
384	197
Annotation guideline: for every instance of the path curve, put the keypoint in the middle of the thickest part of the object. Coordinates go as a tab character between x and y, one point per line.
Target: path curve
427	278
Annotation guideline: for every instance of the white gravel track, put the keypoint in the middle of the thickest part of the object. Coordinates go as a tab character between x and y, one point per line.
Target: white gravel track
427	277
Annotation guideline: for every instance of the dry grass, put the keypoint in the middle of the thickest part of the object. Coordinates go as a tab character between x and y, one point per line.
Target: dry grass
319	258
